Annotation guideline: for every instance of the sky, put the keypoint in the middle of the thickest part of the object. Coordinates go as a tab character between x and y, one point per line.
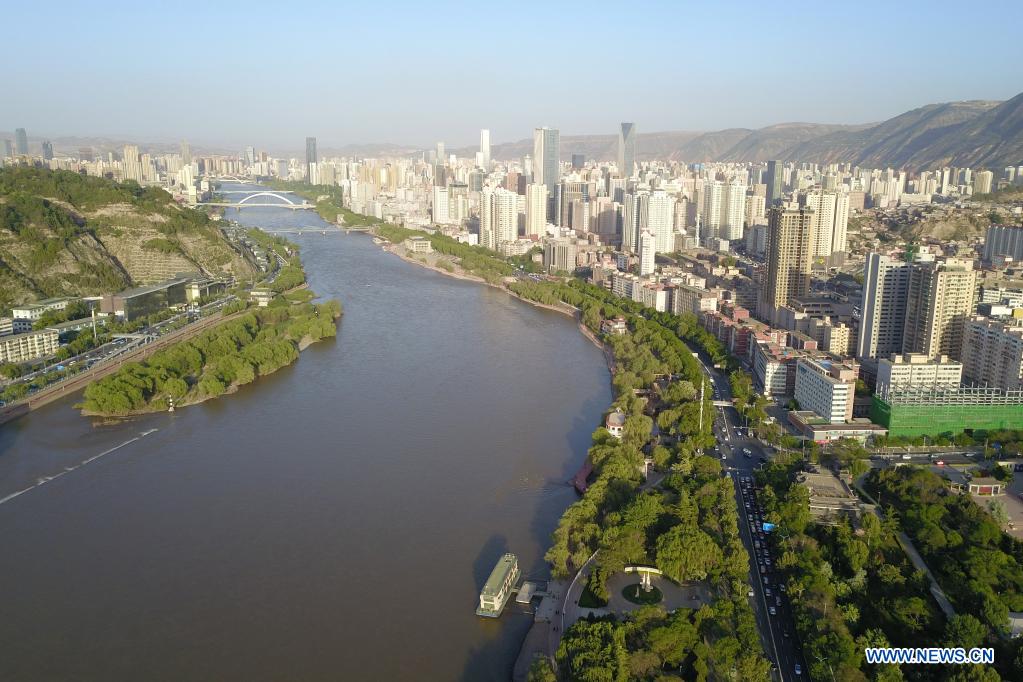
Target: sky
269	73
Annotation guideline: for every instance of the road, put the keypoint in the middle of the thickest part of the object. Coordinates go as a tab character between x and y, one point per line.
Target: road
113	358
741	456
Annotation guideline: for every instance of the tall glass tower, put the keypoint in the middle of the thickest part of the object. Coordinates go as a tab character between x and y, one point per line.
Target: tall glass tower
627	150
310	156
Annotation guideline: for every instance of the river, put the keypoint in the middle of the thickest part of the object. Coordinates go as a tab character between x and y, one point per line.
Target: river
333	521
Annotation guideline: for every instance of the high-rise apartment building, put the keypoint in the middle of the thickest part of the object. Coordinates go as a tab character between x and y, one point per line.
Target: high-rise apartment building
647	249
883	320
441	205
733	214
789	257
982	182
774	182
485	147
131	164
831	220
21	141
547	157
498	217
627	150
631	212
311	158
939	300
661	220
536	210
573	194
712	212
1004	241
994	355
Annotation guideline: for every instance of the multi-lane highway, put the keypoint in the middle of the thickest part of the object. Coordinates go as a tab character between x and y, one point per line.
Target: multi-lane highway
740	457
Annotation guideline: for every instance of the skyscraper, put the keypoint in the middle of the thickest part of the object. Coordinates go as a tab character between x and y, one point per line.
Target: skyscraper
310	157
186	153
441	160
774	180
789	258
631	211
485	147
885	285
47	150
627	150
547	157
21	141
8	149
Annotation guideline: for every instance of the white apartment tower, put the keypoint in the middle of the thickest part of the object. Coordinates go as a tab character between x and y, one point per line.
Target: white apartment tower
885	288
661	220
711	214
536	210
733	214
498	217
647	248
441	204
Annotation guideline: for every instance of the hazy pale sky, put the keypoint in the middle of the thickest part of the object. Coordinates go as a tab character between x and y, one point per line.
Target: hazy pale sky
269	74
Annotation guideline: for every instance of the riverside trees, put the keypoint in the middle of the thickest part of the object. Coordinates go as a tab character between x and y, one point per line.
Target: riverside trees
231	354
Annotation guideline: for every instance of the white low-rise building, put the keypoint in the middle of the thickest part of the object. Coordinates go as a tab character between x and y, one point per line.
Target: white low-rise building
915	370
827	388
28	346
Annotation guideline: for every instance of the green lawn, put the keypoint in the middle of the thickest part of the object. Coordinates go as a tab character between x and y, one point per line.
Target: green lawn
638	595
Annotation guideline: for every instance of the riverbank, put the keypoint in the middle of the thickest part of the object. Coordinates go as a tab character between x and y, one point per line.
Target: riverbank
540	641
563	308
254	342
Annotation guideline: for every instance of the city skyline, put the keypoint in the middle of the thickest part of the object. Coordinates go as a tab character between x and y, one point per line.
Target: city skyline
367	101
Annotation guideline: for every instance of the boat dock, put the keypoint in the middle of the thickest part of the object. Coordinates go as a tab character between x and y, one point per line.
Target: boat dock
502	584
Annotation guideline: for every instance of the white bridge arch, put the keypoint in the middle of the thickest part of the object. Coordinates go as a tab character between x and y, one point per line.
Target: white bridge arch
268	194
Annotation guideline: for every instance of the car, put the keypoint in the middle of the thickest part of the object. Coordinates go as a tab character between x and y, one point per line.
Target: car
798	669
773	611
750	593
786	634
766	580
768	592
762	569
781	588
747	451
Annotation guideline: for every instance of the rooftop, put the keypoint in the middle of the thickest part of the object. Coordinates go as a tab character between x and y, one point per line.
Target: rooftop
150	288
505	566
